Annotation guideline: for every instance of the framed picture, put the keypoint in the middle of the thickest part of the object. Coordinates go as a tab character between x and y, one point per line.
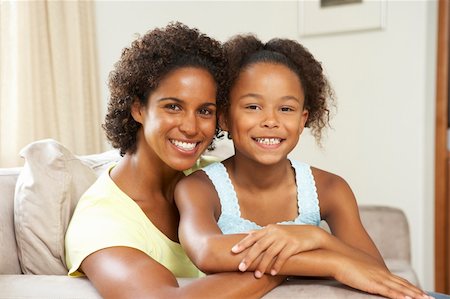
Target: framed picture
318	17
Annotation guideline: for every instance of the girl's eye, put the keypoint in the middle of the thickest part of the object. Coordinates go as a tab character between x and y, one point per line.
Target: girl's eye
173	107
252	107
286	109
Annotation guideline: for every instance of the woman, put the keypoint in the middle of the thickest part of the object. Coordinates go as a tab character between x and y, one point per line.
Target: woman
162	116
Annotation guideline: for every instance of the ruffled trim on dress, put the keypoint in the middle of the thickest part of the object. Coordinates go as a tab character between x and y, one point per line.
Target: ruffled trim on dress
231	221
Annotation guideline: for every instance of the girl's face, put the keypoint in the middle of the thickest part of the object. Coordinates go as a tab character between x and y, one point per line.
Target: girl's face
179	120
266	115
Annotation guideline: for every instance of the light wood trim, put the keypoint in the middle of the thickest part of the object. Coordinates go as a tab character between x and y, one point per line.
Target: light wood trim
442	214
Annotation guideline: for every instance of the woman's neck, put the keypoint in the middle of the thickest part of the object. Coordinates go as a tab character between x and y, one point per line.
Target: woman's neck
143	177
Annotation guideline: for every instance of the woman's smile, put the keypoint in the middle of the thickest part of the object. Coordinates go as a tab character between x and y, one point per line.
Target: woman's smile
185	146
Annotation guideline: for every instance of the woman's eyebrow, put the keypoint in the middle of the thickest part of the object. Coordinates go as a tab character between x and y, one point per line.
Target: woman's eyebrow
171	99
177	100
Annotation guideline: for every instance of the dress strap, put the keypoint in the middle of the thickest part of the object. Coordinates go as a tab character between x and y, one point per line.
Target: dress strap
307	199
218	175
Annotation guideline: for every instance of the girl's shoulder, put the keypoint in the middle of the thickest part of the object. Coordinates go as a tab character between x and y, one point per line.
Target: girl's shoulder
196	178
327	180
332	190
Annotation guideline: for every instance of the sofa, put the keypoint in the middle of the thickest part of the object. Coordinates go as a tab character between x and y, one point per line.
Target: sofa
37	201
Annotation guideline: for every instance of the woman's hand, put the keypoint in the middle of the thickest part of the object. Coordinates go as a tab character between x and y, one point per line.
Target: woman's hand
373	278
271	246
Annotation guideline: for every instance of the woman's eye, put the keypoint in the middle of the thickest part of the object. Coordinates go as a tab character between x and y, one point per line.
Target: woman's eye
173	107
206	111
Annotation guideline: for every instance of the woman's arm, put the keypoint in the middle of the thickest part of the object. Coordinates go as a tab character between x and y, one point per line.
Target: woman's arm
124	272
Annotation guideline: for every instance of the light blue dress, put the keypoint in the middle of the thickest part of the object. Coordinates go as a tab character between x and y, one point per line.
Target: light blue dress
230	220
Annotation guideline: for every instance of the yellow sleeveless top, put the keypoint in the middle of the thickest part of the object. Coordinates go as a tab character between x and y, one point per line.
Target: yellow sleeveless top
105	217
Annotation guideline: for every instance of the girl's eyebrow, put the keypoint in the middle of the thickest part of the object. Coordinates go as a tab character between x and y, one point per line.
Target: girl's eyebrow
251	95
258	96
290	98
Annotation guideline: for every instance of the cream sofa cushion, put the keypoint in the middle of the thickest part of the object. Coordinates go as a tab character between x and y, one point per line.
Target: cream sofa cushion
47	191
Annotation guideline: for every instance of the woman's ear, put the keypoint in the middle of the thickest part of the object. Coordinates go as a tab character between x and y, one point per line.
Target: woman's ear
136	111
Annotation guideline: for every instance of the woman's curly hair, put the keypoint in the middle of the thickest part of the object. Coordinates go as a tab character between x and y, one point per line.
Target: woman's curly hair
245	50
144	64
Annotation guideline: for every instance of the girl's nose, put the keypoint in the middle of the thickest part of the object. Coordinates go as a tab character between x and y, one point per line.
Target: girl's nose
270	120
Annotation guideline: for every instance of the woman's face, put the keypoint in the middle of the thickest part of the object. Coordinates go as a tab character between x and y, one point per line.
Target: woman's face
179	120
266	115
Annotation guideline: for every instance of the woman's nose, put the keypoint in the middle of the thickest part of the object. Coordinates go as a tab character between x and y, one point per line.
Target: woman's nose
188	125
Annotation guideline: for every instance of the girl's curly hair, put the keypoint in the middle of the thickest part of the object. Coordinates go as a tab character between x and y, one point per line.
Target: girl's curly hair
144	64
244	50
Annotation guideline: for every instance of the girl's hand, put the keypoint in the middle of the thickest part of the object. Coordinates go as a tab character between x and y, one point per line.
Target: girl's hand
272	245
375	279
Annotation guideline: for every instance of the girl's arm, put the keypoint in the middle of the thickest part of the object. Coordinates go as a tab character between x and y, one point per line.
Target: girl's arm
210	250
339	209
124	272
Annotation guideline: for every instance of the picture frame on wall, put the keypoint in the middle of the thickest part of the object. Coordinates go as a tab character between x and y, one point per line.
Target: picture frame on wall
321	17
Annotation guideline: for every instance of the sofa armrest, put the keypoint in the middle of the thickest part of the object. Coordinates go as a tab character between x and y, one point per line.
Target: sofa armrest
60	286
9	260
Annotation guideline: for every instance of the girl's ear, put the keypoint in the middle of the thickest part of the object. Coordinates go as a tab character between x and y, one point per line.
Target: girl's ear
136	111
305	115
223	122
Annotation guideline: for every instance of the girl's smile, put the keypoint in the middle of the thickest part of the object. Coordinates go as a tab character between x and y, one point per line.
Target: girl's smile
268	142
267	114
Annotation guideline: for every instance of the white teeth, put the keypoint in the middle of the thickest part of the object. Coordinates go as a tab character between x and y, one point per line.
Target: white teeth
187	146
268	141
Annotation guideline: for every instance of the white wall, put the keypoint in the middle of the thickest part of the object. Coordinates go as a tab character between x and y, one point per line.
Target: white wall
382	141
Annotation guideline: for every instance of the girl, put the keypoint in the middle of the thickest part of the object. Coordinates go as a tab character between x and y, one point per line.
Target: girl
258	197
162	116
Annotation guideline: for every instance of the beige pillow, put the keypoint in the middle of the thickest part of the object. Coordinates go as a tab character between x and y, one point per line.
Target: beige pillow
47	191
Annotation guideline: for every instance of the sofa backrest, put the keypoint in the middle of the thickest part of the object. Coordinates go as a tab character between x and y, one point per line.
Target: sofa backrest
47	191
37	201
389	230
9	261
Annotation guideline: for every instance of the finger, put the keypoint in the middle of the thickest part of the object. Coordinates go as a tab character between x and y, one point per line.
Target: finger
254	252
268	258
281	259
408	290
386	291
407	285
248	241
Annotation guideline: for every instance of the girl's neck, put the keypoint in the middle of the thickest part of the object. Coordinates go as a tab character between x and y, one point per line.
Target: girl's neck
254	175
